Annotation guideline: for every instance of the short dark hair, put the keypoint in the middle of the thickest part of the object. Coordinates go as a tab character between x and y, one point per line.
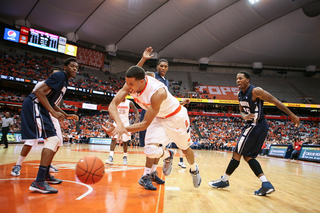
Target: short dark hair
135	72
163	60
68	61
246	74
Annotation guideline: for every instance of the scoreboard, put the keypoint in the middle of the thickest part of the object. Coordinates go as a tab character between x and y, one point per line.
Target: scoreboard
43	40
40	39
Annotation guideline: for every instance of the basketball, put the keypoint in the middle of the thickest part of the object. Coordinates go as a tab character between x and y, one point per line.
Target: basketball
90	169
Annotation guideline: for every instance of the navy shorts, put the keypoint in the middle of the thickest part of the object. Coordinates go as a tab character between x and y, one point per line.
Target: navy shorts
35	121
142	134
251	139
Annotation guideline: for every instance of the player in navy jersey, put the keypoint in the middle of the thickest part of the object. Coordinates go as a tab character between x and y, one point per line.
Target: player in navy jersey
36	122
253	133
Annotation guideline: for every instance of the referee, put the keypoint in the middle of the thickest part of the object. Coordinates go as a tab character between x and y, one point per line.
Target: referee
7	122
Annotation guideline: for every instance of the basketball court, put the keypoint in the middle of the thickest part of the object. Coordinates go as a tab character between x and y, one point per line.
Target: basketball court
297	185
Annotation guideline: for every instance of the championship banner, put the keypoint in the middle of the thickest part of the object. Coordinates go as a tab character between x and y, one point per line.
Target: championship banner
90	57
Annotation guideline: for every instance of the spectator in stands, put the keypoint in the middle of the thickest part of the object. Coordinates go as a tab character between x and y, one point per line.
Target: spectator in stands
297	144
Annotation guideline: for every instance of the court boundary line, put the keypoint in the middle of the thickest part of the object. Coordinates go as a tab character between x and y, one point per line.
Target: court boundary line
90	189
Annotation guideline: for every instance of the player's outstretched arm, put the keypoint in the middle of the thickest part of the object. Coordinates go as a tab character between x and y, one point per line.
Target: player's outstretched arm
266	96
156	100
145	56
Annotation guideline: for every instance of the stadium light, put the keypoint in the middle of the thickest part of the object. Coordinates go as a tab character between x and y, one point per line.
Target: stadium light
253	1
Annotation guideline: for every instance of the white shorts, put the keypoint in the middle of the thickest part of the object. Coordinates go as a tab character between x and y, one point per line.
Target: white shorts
125	137
174	128
34	142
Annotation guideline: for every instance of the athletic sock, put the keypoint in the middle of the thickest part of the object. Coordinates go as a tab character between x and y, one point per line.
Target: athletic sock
48	170
225	177
125	154
181	160
147	171
111	153
154	168
41	173
20	160
263	178
193	167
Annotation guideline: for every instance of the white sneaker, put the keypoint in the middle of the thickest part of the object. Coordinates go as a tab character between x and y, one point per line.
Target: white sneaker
52	169
110	160
181	164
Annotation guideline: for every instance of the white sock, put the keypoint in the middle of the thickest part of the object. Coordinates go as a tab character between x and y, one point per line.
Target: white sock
20	160
154	168
111	153
125	154
263	178
225	177
147	171
193	167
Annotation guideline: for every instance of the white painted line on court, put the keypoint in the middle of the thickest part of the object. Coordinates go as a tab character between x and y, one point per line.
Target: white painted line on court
169	188
90	189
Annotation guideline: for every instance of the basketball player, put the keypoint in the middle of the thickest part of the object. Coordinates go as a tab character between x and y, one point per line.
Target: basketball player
123	110
254	132
162	68
28	144
165	119
36	121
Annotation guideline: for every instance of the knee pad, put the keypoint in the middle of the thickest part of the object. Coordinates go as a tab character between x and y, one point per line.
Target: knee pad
51	143
153	151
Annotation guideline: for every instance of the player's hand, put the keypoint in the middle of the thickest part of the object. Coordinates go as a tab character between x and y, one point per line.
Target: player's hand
249	117
295	120
185	101
58	115
119	131
73	116
147	53
109	128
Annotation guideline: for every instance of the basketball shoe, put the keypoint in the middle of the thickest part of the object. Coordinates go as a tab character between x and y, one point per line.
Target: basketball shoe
110	160
266	188
145	181
51	179
181	164
125	160
53	169
154	177
196	177
43	187
220	183
16	170
167	164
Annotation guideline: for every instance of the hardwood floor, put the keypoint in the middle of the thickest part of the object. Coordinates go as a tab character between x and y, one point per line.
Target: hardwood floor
297	184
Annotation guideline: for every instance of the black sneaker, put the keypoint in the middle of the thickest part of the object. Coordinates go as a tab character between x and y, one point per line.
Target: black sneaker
51	179
146	182
154	177
42	187
266	188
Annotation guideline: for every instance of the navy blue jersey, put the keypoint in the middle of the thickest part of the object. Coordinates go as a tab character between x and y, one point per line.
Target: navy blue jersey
250	107
158	77
58	82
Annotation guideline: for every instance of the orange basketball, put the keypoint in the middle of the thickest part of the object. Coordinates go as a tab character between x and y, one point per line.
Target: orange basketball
90	169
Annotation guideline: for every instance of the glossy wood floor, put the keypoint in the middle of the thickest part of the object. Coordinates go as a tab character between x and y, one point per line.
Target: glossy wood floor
297	185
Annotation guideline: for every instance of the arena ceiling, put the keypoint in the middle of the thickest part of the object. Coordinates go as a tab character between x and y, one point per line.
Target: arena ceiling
274	32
